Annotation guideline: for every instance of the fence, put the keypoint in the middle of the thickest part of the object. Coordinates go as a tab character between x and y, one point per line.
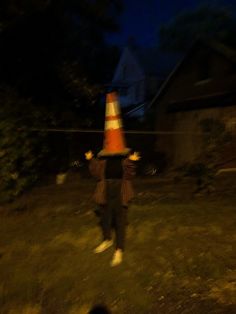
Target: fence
67	147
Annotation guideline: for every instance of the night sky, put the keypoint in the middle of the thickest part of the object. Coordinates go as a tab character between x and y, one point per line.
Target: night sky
141	19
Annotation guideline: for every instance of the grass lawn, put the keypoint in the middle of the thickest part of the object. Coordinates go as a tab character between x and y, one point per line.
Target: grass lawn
180	254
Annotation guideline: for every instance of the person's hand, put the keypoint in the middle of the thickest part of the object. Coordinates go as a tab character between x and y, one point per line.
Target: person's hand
135	156
89	155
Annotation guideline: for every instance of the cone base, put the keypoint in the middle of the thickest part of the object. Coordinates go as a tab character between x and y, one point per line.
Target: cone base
106	153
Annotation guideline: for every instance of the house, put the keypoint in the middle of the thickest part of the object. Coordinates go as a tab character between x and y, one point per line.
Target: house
137	77
201	86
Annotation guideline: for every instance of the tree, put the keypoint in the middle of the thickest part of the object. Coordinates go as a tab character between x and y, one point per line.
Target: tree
206	22
48	47
52	61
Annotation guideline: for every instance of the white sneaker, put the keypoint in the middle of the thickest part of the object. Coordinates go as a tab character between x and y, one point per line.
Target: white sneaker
103	246
117	258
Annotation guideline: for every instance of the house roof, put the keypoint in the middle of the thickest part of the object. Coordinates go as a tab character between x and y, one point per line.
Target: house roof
133	108
220	48
227	52
154	62
207	101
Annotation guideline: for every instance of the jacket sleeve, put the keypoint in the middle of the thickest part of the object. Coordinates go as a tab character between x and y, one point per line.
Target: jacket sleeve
95	168
129	168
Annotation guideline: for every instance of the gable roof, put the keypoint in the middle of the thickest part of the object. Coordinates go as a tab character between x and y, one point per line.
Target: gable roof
220	48
154	62
128	60
151	61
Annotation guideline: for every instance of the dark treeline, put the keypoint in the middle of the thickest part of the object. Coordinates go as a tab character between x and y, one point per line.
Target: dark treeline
54	52
53	65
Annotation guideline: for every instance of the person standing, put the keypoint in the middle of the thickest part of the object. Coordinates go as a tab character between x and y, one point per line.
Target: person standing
113	193
114	168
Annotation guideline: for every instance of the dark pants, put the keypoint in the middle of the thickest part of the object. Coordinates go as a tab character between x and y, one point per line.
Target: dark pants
113	214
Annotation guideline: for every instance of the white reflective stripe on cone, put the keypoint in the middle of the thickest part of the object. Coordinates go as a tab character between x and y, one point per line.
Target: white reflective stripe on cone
112	109
113	124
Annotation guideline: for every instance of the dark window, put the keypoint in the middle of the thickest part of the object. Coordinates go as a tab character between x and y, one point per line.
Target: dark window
232	69
204	68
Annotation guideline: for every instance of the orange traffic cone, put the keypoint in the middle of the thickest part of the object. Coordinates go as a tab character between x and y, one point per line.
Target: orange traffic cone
114	141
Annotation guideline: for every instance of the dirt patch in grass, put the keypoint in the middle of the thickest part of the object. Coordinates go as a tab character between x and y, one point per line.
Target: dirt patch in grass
180	254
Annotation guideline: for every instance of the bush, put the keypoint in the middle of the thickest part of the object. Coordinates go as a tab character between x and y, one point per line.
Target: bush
21	150
204	169
203	174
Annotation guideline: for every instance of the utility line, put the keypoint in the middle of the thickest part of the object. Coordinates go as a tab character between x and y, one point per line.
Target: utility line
102	131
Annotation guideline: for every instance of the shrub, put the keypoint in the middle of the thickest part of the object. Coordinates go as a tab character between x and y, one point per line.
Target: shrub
204	169
21	150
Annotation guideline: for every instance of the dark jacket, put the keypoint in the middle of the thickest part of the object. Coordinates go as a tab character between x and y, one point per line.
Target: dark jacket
97	168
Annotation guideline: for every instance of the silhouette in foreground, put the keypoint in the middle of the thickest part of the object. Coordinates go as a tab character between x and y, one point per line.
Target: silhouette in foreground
99	309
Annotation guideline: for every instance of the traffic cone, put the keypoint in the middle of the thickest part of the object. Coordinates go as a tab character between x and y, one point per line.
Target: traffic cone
114	141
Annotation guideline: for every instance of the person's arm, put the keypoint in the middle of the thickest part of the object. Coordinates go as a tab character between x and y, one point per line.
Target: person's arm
130	166
94	165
